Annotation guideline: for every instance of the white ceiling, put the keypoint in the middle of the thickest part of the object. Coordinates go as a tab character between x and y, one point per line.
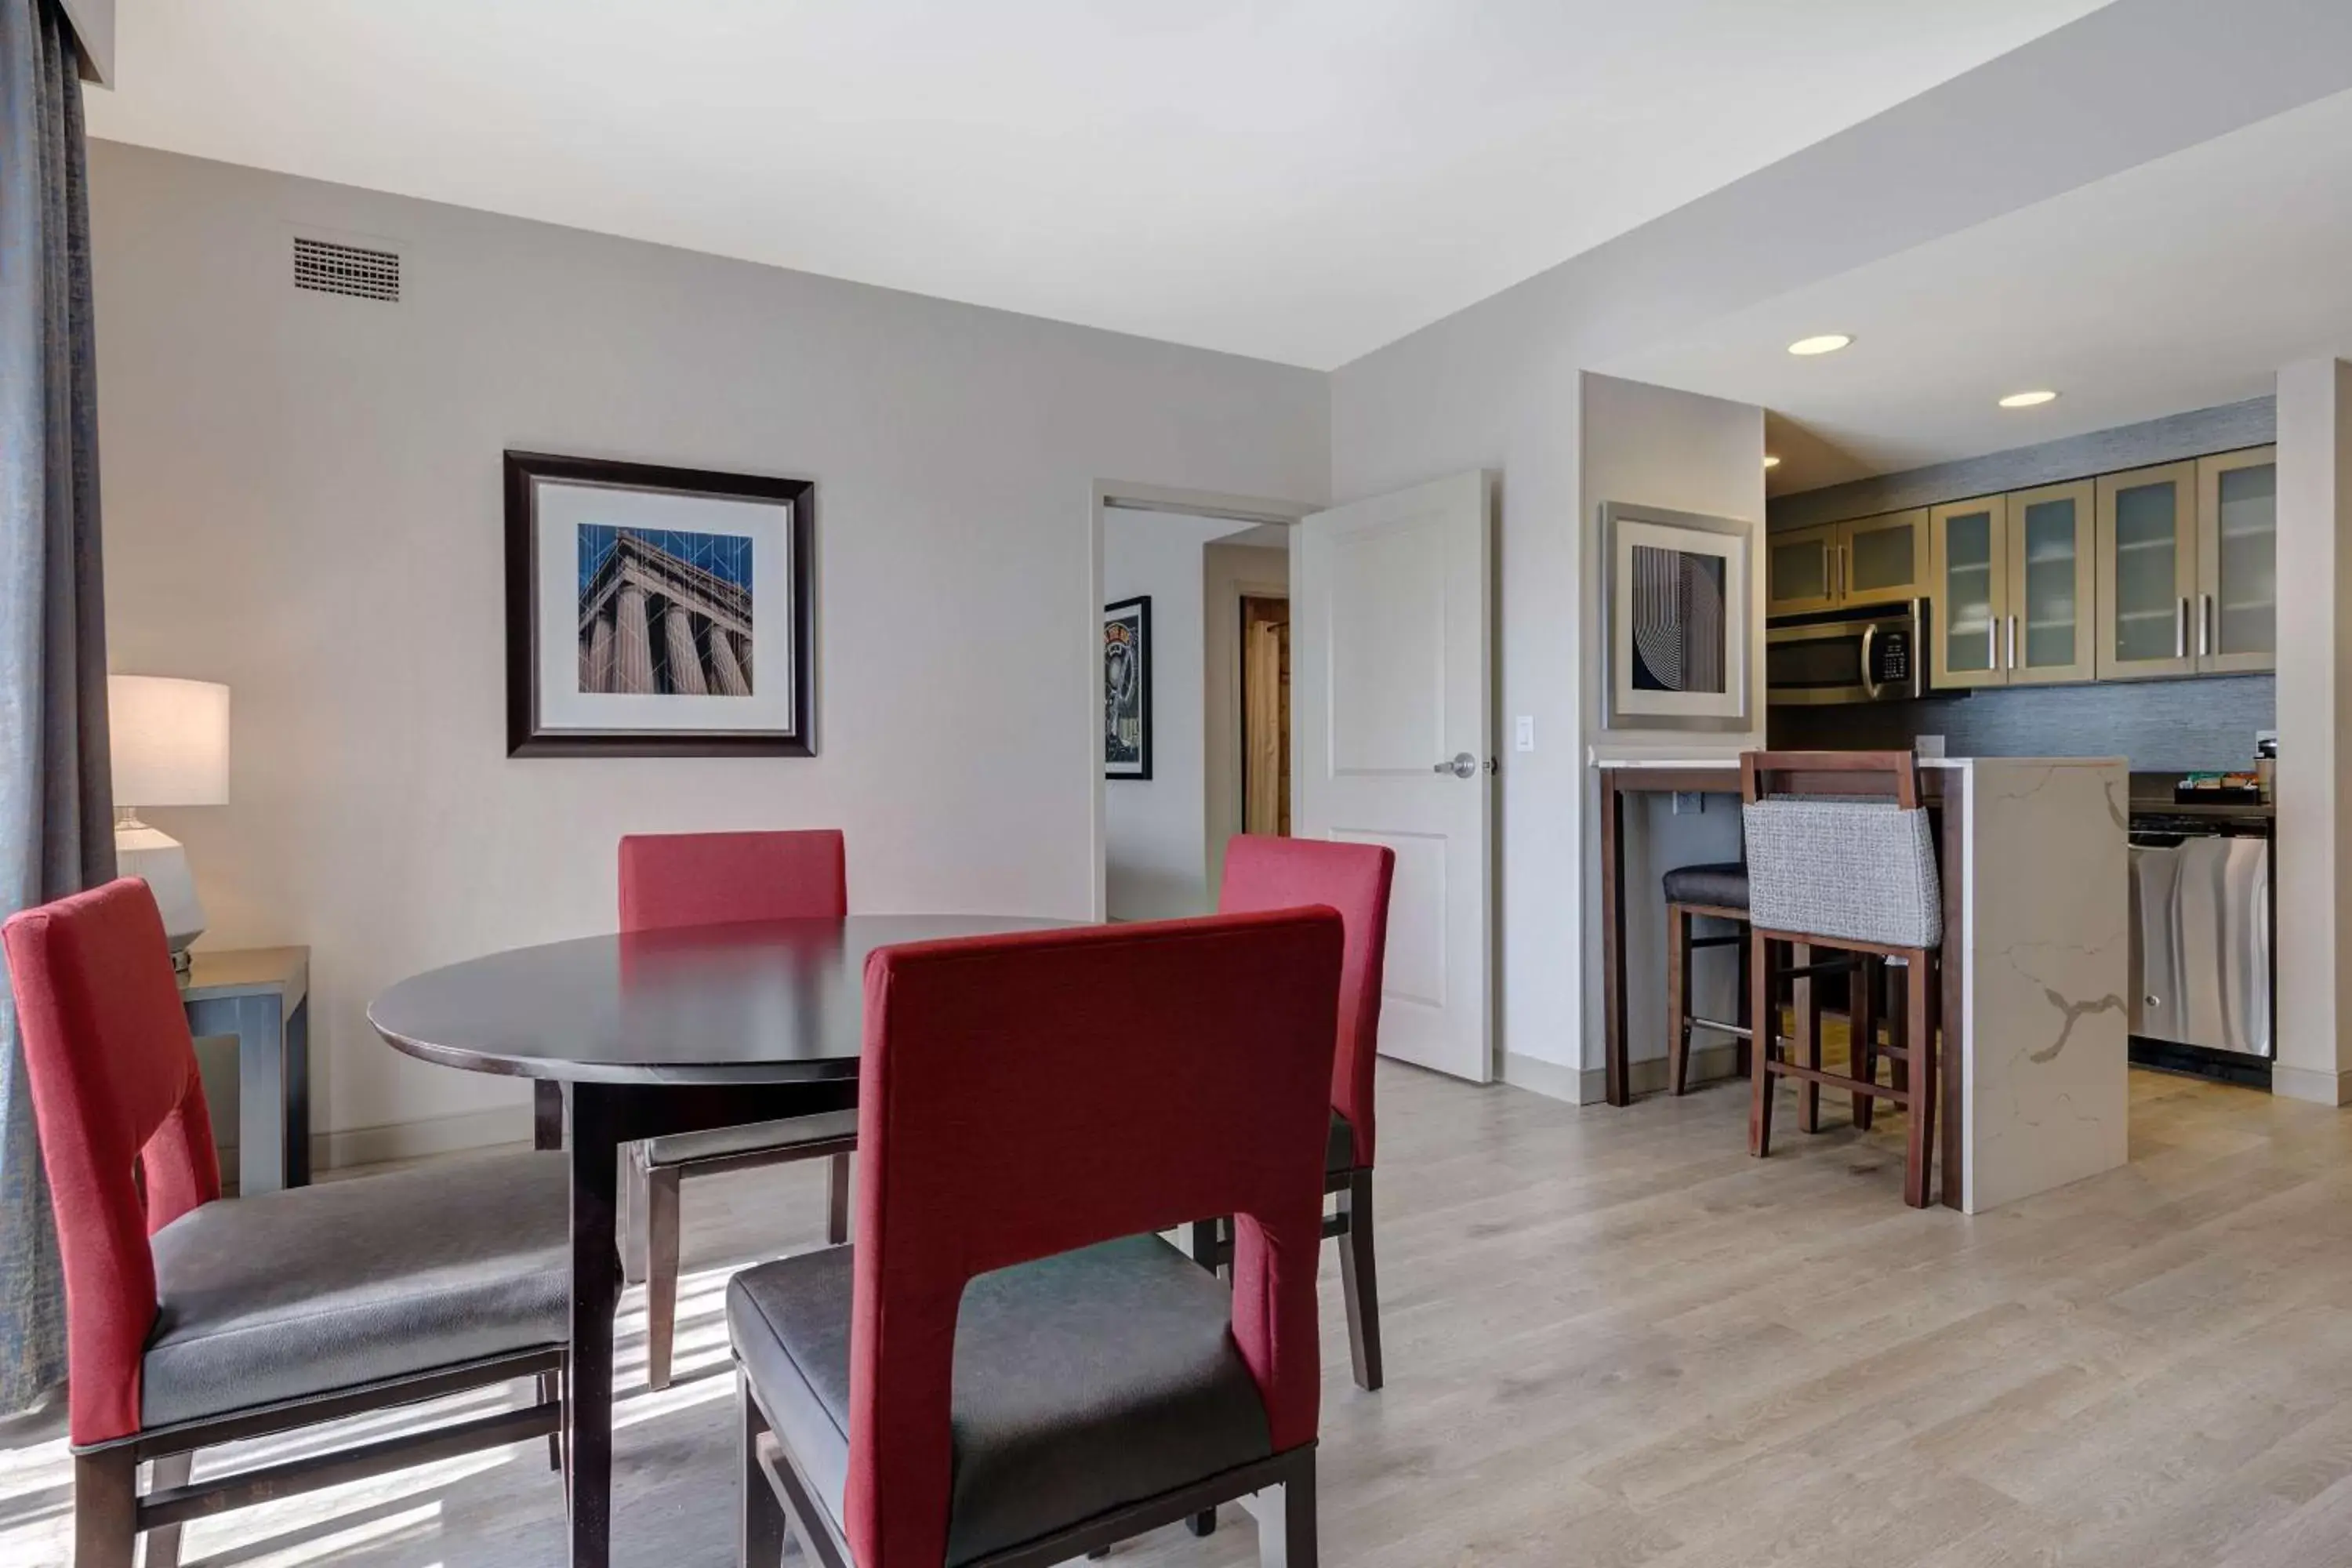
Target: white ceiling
2179	284
1302	181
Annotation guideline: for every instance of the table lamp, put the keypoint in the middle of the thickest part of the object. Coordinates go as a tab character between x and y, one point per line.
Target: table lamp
170	744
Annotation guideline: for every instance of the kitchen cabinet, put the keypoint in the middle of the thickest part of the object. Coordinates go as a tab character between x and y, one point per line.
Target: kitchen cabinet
2236	613
1968	579
2148	572
1835	565
2052	586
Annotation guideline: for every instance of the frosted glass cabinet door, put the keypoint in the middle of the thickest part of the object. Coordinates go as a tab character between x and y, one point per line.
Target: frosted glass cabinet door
1799	574
1884	560
2052	584
1968	562
2236	615
2147	572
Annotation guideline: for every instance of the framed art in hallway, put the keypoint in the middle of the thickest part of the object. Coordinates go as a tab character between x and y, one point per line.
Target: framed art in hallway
1127	689
657	612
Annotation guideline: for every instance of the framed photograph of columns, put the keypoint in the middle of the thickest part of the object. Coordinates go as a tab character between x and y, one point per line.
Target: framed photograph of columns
1675	623
657	612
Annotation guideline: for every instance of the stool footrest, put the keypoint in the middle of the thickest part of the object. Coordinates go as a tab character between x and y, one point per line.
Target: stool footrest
1778	1068
1739	1031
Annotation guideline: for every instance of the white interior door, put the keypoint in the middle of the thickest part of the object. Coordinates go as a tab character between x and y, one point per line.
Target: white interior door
1389	673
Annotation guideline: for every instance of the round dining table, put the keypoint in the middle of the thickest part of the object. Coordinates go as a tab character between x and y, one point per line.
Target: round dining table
645	1034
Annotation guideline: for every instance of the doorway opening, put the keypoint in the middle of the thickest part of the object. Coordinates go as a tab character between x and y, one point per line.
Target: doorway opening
1191	664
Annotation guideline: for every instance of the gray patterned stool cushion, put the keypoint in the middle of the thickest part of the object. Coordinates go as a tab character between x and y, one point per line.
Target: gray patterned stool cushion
1862	872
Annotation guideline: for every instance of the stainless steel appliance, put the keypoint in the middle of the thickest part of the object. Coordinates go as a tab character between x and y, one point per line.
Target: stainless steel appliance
2201	914
1874	655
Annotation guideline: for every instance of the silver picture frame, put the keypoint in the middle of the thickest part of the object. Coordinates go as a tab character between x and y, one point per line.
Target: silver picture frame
1715	655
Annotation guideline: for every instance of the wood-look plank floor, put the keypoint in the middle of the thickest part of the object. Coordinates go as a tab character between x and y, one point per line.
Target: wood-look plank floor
1614	1339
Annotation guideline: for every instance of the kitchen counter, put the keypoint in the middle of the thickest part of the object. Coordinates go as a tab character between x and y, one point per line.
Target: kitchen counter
2038	936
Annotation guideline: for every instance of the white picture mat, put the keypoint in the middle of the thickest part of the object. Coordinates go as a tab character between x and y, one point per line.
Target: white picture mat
561	509
1632	701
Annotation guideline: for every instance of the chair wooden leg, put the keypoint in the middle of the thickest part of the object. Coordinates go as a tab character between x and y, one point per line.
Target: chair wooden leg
1919	1135
551	1392
1861	1048
106	1509
1898	1028
1285	1521
163	1541
633	1215
661	1272
1766	1027
1358	1281
1678	1028
760	1524
837	1200
1746	1016
1809	1042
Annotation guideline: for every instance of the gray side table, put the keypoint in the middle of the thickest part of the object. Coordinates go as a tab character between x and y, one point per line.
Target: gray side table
261	995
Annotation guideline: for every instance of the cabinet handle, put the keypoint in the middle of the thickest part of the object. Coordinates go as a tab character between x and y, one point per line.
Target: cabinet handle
1992	640
2181	631
2204	625
2012	642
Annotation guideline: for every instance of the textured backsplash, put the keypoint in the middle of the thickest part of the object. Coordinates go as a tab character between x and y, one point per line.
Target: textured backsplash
2168	726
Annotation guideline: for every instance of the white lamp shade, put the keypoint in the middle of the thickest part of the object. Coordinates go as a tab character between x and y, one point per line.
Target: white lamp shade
169	739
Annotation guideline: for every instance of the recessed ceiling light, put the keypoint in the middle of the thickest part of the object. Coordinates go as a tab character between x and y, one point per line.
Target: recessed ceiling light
1827	344
2028	399
1770	461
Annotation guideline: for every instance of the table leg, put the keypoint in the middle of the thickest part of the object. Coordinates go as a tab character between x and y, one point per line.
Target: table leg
266	1160
297	1095
1619	1090
595	1294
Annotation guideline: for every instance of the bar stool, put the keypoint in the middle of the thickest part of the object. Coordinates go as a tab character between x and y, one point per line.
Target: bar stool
1851	873
1717	892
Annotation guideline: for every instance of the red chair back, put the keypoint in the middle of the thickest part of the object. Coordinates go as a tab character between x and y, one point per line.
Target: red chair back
114	1083
1024	1096
1263	873
716	879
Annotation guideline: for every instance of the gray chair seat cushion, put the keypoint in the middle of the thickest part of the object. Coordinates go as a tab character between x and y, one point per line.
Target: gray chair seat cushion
313	1289
1725	886
791	1137
1081	1383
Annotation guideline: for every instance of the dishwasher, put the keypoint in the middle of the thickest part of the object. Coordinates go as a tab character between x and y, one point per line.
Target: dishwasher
2202	978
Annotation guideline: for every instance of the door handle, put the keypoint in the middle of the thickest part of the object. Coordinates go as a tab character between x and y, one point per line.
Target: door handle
2181	631
1992	640
2204	625
2012	642
1462	766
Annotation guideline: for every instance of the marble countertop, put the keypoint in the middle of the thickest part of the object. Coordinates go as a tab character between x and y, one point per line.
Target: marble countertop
1594	758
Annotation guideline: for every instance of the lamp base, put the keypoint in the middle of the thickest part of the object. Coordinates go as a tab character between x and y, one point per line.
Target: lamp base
156	858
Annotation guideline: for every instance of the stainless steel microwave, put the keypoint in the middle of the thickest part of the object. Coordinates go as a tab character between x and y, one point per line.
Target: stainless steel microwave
1874	655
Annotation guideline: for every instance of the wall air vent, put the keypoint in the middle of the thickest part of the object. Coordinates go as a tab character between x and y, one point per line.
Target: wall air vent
328	267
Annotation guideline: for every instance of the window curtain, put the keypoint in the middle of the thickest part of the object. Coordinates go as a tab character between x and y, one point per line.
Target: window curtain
55	806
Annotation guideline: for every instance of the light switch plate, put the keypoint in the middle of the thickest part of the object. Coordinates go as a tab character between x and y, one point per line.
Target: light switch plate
1526	733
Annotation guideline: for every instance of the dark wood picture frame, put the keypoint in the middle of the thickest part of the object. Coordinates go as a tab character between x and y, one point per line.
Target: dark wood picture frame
1140	608
526	734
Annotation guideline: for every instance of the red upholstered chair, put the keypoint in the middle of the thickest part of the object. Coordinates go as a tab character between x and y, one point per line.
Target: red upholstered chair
194	1320
718	879
1009	1369
1265	873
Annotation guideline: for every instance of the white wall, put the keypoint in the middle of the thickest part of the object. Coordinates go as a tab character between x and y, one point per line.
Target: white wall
302	499
1156	847
2314	722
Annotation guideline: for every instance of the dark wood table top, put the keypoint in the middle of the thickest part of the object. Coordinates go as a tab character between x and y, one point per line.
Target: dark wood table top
767	1002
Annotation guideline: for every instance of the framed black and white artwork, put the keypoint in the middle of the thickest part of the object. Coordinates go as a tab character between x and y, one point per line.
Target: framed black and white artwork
656	611
1676	628
1127	689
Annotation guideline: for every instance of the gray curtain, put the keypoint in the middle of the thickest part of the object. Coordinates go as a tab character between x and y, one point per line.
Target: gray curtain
56	807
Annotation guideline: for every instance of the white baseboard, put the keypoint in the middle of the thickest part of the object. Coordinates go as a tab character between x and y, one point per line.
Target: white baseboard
414	1140
1537	1076
1708	1064
2306	1083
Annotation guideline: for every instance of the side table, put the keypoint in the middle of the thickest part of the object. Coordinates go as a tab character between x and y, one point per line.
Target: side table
262	997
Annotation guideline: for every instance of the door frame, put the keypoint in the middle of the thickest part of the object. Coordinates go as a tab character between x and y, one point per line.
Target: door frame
1111	495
